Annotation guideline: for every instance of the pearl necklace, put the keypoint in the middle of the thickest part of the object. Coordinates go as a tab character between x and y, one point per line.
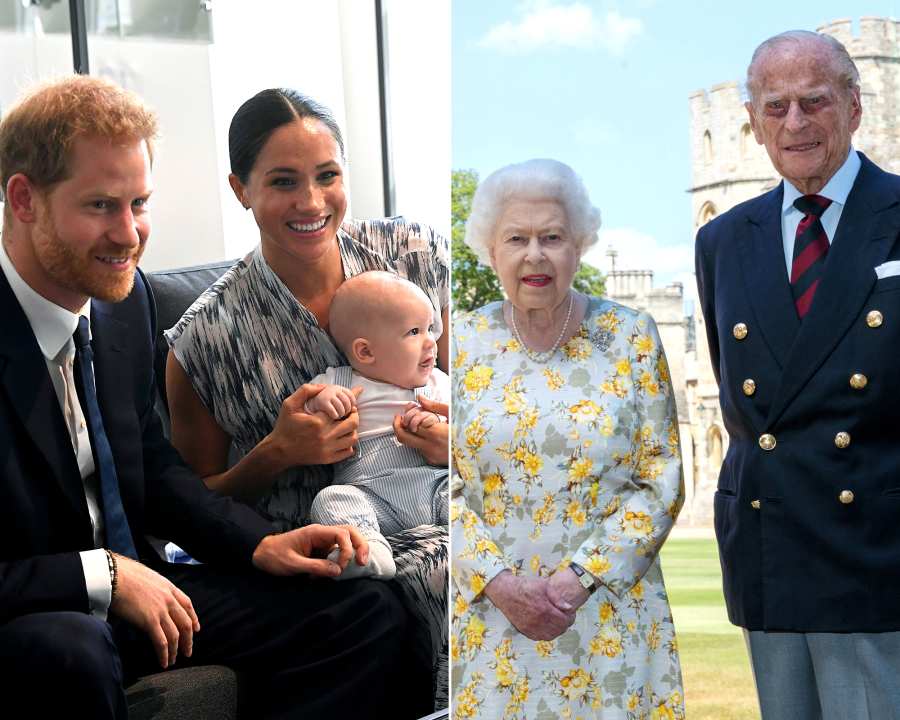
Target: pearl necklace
542	357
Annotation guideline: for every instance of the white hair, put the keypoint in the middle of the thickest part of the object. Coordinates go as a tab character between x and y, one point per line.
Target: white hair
533	180
842	63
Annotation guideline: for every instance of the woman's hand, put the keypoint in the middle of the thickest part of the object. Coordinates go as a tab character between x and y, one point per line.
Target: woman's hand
434	441
526	603
565	591
301	438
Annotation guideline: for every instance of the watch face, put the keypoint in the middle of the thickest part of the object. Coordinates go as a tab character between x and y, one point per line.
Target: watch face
587	582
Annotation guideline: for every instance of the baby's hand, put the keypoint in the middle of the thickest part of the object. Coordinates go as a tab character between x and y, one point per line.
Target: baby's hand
415	417
335	401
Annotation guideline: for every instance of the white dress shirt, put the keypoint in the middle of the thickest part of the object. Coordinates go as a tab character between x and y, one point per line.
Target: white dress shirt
836	189
53	327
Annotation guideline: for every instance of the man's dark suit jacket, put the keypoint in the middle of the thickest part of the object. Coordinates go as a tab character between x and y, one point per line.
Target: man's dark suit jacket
804	560
44	520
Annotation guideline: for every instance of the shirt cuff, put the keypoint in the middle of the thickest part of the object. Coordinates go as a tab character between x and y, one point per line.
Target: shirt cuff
97	581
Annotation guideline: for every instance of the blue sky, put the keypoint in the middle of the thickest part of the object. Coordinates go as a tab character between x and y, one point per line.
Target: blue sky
604	86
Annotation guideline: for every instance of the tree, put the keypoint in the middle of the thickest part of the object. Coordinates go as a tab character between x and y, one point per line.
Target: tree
474	284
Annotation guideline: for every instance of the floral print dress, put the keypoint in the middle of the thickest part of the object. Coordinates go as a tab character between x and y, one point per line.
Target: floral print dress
575	460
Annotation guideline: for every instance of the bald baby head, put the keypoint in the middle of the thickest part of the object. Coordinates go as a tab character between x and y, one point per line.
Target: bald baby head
385	326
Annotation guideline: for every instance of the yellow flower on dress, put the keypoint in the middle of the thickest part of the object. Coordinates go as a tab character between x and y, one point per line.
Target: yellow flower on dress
520	693
633	701
494	510
475	435
584	411
607	642
662	368
474	633
494	482
505	673
609	321
578	348
477	380
467	702
459	605
485	546
623	367
662	712
614	386
460	359
637	524
544	514
527	420
644	344
653	636
477	583
544	648
481	324
464	467
532	464
554	379
455	655
575	513
535	563
513	402
606	426
576	684
607	611
637	592
597	565
580	468
512	345
647	383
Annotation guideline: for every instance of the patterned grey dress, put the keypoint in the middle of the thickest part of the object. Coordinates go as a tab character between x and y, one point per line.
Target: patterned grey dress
247	344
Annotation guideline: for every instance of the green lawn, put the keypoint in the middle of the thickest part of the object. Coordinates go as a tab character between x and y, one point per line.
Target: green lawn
717	681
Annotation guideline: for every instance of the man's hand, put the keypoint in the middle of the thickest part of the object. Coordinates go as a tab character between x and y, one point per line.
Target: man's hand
525	603
147	600
305	550
335	401
434	441
565	591
301	438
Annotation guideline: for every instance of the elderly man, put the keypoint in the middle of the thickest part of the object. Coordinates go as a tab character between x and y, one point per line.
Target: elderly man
85	605
800	290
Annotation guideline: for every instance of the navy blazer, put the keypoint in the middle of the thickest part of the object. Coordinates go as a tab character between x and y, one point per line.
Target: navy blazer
44	520
798	552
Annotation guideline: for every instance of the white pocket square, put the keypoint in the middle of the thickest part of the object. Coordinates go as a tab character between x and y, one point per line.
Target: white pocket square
888	269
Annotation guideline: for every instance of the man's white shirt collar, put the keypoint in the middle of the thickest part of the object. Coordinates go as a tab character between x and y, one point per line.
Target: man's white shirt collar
836	189
52	325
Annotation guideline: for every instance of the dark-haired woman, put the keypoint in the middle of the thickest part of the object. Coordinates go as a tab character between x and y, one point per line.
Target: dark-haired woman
241	355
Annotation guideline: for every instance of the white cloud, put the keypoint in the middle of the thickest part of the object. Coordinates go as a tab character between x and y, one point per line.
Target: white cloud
546	24
639	251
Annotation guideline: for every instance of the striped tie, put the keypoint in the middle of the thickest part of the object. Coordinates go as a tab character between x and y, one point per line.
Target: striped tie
810	250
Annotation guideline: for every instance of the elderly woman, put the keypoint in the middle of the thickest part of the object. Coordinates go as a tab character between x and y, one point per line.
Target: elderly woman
242	356
567	475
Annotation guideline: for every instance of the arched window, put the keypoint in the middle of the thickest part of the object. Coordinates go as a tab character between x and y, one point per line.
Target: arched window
707	213
707	148
746	141
714	448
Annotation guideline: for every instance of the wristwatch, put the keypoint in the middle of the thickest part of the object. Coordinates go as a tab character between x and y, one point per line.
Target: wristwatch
584	577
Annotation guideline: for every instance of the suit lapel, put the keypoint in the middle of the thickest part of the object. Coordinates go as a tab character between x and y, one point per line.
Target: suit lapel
27	385
765	275
865	235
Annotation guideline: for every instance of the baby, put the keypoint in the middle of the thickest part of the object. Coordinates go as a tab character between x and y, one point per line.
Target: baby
384	325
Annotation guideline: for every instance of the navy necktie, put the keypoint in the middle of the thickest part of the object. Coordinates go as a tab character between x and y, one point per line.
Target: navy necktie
118	534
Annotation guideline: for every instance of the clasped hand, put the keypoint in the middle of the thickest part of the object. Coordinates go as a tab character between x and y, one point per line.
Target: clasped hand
539	608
